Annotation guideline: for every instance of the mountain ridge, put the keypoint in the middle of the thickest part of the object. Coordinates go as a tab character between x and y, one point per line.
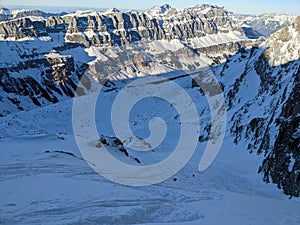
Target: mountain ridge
260	80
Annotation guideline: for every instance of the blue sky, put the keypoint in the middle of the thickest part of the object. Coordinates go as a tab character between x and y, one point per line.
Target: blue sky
238	6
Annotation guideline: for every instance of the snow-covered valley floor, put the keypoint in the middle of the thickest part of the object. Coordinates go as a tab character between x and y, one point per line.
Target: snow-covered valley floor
44	180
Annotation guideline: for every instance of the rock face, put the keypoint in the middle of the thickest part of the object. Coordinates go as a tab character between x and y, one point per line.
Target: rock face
117	28
198	21
160	22
28	36
165	23
21	28
268	122
56	80
282	163
112	29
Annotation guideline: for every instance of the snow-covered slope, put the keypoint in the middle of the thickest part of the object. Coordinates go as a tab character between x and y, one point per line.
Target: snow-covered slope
46	179
112	10
5	14
268	23
44	176
22	13
159	11
263	102
283	46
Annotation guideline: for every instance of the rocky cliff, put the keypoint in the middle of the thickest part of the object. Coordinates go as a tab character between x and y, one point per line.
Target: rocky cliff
168	24
38	82
119	28
268	121
282	162
22	28
109	45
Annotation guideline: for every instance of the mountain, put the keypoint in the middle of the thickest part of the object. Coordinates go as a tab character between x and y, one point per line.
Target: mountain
267	23
266	119
282	162
99	43
43	60
113	83
7	14
97	28
43	174
112	10
159	11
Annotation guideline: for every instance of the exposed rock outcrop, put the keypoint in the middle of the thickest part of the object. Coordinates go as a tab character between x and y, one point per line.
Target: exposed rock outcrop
274	131
21	28
119	28
282	163
57	80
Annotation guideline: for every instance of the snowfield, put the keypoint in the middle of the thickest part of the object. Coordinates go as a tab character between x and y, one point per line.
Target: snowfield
45	180
51	154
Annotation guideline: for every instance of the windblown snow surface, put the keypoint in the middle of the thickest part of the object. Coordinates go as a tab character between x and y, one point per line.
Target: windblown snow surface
45	180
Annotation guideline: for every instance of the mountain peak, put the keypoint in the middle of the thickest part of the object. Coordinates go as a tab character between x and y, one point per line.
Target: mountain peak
162	8
4	10
283	45
165	7
297	24
5	14
157	11
112	10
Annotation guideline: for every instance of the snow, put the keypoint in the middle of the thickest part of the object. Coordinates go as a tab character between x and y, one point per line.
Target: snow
158	11
90	33
5	11
267	23
20	39
80	54
45	179
31	72
32	18
16	11
111	10
95	51
54	55
63	188
219	38
45	38
11	50
82	13
164	45
283	46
